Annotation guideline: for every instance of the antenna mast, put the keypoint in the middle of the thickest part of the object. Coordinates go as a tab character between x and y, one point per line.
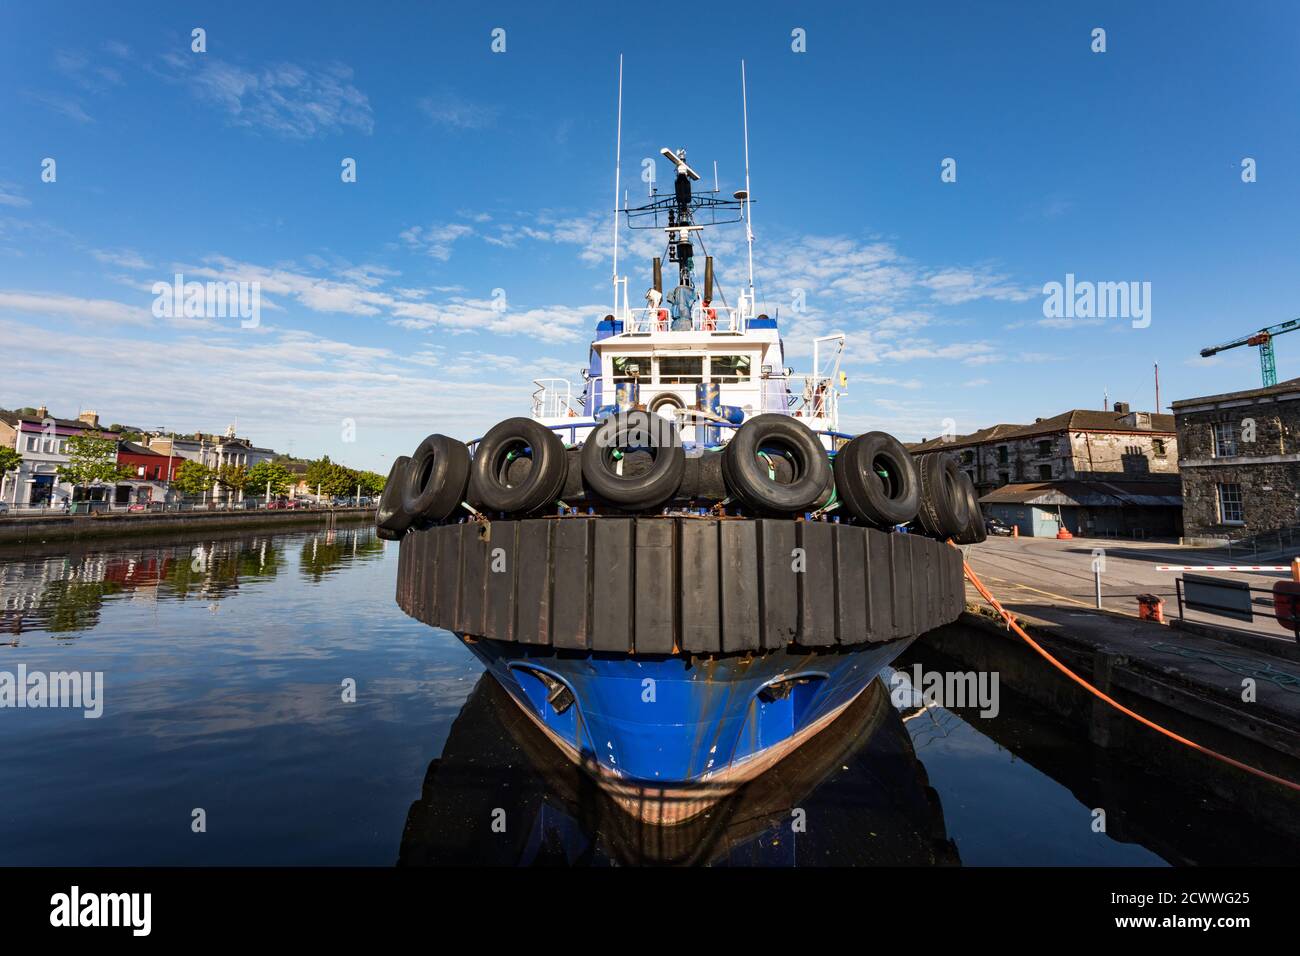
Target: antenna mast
618	162
749	199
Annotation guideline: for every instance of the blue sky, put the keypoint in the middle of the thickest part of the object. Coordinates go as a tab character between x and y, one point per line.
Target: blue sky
479	171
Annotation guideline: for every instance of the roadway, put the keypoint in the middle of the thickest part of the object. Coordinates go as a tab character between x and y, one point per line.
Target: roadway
1030	572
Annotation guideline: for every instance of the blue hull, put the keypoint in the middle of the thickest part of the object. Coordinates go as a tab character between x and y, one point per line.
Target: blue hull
677	724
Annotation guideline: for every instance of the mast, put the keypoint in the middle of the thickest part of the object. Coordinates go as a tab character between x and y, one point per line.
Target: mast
749	199
618	157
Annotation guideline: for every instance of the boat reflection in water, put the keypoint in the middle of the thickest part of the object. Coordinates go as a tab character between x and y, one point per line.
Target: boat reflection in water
502	794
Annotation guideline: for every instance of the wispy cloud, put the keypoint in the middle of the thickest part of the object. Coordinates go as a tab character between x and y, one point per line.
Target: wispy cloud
449	109
10	195
435	240
125	258
63	105
286	99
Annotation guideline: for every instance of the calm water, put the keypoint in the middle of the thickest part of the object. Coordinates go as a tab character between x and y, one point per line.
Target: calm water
224	665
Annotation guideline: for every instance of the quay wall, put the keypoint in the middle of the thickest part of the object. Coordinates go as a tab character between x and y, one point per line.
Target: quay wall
36	529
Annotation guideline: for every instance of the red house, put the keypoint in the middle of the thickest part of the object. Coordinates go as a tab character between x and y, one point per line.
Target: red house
146	464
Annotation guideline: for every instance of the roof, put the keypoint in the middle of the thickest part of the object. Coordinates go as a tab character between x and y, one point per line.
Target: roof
131	448
1281	388
10	418
1076	419
1091	494
1091	420
992	433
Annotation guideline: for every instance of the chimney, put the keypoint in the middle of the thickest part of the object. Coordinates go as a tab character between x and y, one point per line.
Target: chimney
42	413
1121	408
89	417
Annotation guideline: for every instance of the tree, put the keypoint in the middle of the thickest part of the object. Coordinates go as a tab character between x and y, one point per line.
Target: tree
193	478
269	471
10	460
234	477
372	483
93	460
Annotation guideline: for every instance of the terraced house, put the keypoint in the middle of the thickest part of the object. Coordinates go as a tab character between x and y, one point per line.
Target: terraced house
1112	472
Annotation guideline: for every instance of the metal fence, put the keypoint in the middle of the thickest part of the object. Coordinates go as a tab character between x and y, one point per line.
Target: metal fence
1239	601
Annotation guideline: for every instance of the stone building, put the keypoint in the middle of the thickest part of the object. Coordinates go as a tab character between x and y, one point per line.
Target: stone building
1112	472
1239	460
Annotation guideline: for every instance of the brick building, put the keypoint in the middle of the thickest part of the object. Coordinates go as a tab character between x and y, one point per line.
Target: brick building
1111	472
1239	460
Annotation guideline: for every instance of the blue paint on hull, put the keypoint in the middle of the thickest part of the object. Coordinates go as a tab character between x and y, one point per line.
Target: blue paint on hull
672	720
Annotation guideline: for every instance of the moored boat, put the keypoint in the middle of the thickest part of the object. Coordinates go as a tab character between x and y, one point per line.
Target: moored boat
682	570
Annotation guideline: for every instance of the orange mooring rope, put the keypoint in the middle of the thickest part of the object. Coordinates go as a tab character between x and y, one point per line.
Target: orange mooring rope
1011	623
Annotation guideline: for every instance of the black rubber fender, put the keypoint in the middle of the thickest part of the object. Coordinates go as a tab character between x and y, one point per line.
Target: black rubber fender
883	500
747	475
391	517
498	482
944	508
975	531
435	480
655	439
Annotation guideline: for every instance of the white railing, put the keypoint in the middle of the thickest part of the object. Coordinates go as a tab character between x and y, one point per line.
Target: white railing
804	396
714	319
553	398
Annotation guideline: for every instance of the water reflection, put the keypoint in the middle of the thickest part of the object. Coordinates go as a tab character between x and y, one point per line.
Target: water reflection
64	593
324	554
224	658
853	795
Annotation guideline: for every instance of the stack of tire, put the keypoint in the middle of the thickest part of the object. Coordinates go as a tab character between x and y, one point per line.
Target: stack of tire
634	462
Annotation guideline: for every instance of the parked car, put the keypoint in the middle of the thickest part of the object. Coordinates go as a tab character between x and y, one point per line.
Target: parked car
283	503
994	526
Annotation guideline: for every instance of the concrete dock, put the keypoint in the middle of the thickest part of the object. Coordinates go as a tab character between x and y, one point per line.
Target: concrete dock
1240	697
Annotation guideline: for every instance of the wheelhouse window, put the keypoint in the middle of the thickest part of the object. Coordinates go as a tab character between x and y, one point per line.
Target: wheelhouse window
730	368
1230	507
681	370
625	365
1225	440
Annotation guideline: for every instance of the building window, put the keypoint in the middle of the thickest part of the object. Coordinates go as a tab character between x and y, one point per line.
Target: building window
681	370
1230	510
1225	440
1003	478
1002	455
967	457
31	442
1045	472
1158	447
1044	448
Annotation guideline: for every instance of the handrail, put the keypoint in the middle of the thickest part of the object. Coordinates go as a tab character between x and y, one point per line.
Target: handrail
592	423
